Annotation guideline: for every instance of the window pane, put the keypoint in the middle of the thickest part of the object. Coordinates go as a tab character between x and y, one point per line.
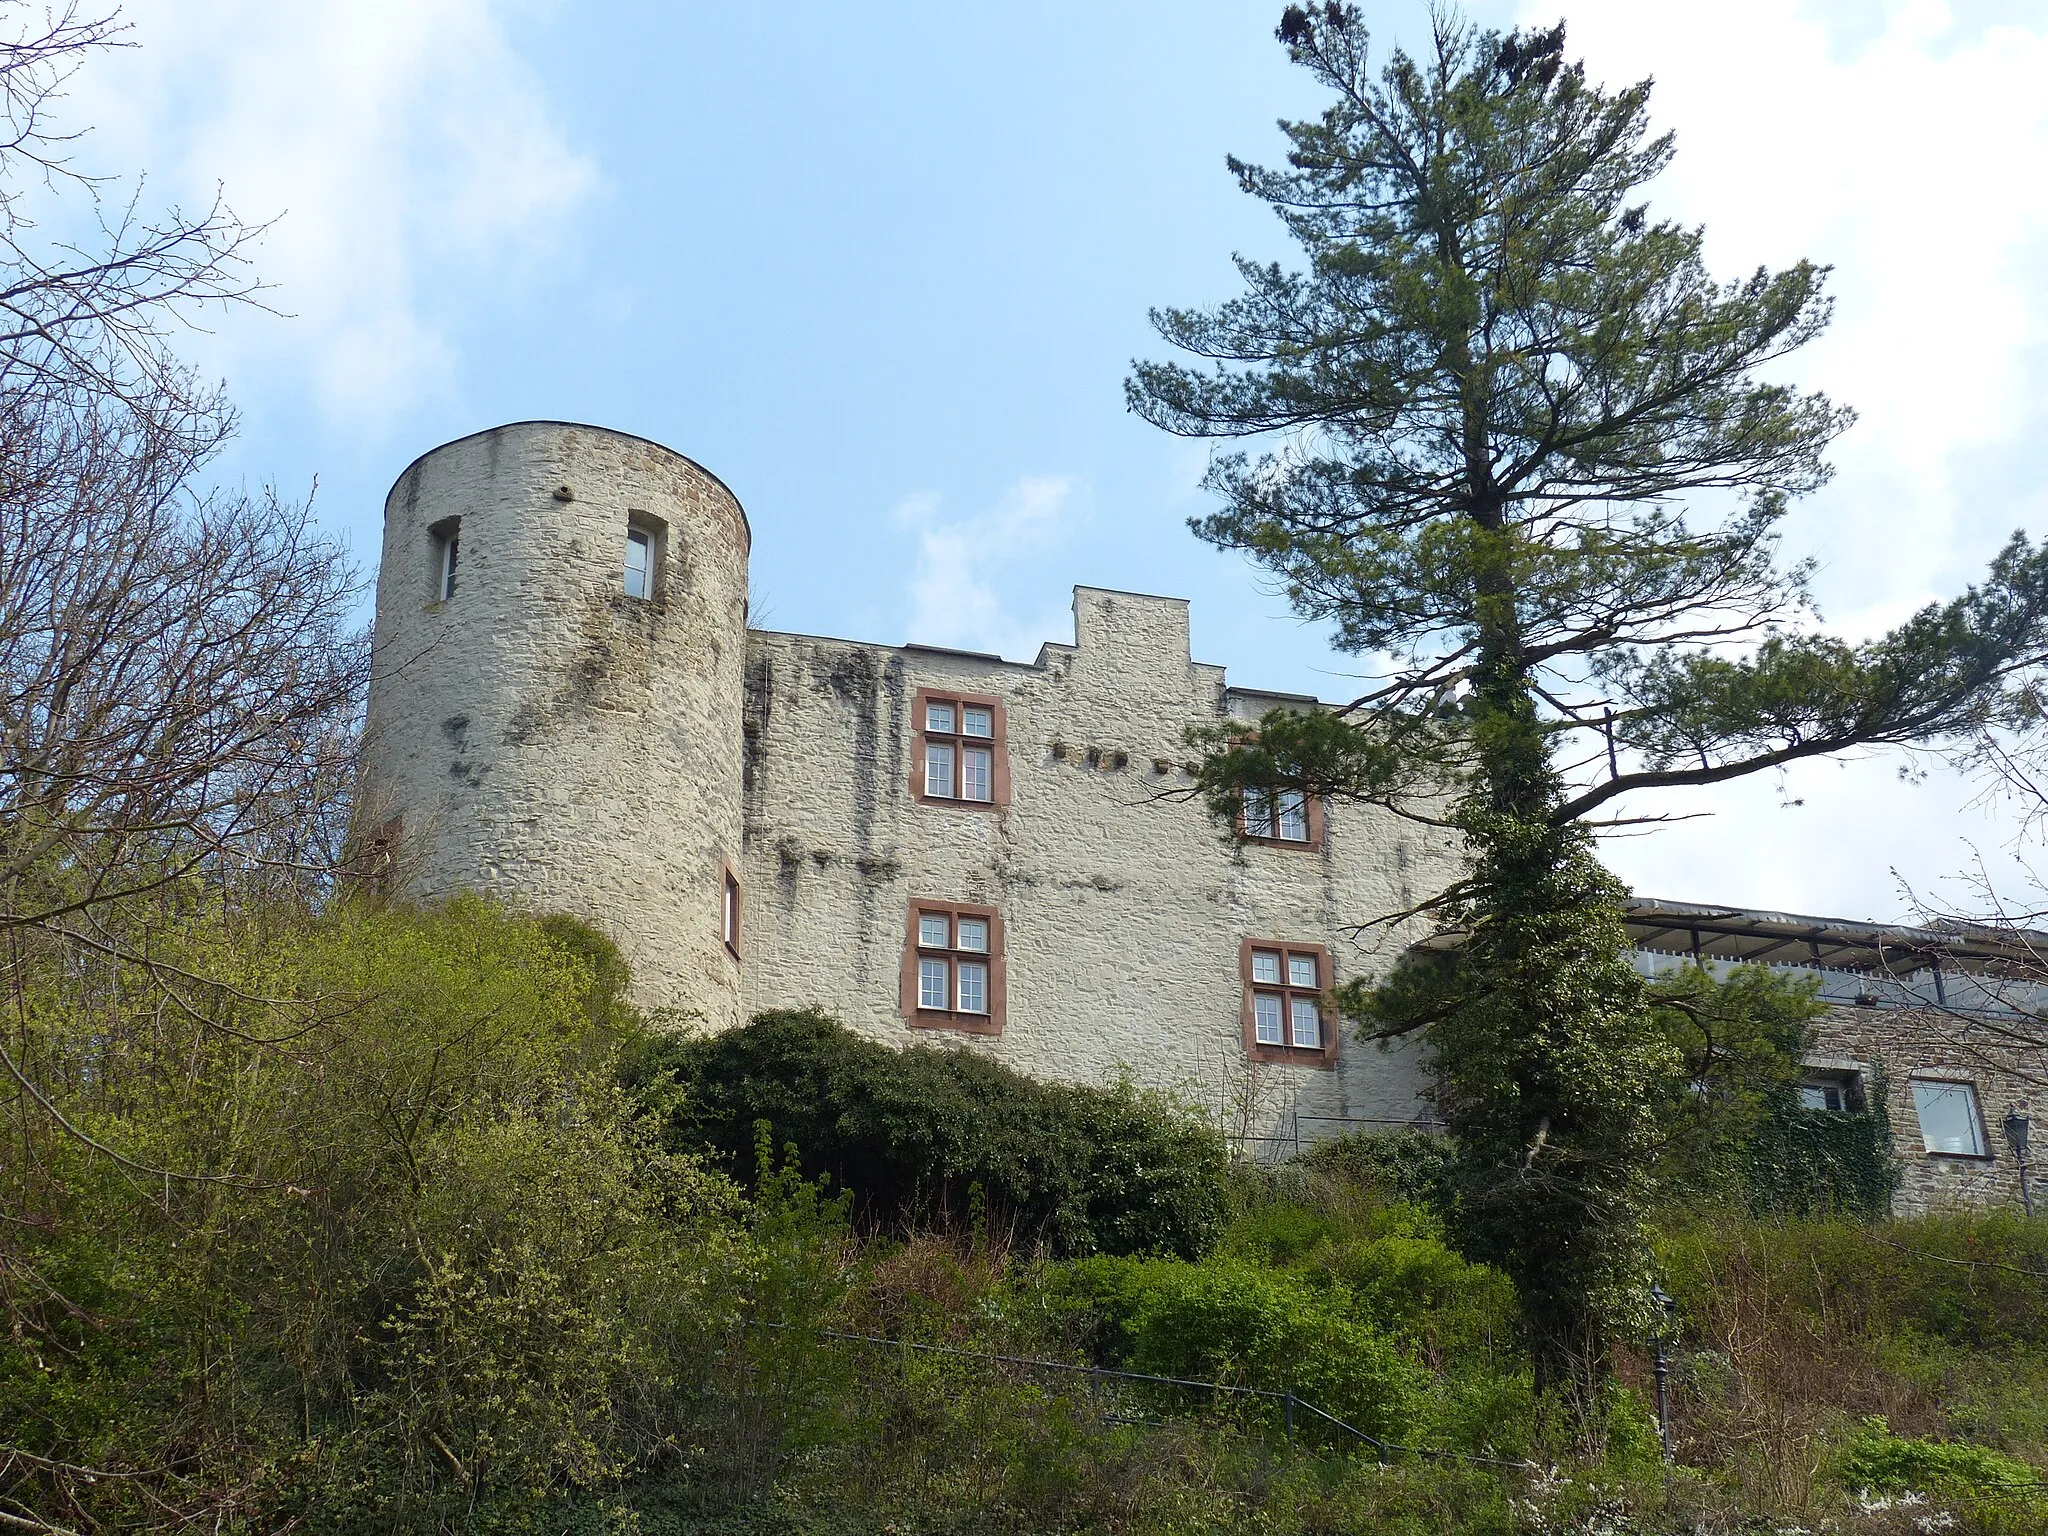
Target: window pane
931	984
1948	1117
639	562
974	935
445	582
934	931
976	721
939	717
1266	966
1824	1095
732	913
1294	816
1258	812
977	770
1308	1023
938	769
973	987
1301	971
1266	1019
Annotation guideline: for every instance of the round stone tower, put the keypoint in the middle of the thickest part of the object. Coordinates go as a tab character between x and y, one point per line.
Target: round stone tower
555	692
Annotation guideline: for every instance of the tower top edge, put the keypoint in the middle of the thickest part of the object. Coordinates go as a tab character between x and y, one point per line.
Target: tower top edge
746	524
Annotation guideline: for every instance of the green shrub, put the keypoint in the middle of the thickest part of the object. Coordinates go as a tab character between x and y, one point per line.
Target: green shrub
1877	1461
916	1133
1973	1280
1227	1321
1414	1166
415	1252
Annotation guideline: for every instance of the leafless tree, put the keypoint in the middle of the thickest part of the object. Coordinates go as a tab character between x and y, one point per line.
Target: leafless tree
93	315
178	672
180	669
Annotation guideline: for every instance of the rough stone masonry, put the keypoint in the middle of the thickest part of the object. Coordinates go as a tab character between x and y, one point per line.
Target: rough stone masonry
569	710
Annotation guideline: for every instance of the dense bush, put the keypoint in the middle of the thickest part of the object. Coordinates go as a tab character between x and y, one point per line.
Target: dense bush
1978	1281
937	1136
377	1239
1244	1324
1414	1166
1875	1460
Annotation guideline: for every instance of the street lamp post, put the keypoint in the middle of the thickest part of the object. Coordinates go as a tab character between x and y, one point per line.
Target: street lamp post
2015	1127
1668	1305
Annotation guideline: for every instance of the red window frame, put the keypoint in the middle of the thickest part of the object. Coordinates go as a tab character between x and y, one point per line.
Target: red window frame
1323	1055
922	738
915	950
1268	828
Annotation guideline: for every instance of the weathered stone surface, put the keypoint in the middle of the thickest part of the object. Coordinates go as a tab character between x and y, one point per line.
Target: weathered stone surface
549	739
1123	902
545	737
1894	1044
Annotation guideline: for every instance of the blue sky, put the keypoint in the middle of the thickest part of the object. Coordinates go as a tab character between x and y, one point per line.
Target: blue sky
883	269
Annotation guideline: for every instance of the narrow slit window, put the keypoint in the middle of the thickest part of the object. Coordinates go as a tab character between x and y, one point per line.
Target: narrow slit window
447	541
729	914
639	563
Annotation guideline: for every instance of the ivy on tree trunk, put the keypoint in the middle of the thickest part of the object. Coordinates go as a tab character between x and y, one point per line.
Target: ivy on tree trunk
1516	448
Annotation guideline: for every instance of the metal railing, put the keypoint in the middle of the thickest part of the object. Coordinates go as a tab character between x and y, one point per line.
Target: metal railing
1291	1143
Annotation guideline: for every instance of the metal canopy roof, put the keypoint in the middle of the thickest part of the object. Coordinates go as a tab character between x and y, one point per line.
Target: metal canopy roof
1832	943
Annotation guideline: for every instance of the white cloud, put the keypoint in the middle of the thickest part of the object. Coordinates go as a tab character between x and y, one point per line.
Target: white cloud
1907	155
953	598
1903	147
403	145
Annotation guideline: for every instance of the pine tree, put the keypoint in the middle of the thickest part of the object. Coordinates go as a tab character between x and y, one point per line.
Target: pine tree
1521	455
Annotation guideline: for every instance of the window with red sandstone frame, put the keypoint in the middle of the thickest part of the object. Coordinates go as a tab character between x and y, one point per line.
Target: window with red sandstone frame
1285	816
1285	1017
953	968
959	756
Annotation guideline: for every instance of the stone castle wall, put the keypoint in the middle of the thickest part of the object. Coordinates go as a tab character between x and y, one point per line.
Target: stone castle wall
1124	904
539	734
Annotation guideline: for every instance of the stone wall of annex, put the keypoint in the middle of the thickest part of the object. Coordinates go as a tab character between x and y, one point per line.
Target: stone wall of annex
1892	1045
1123	903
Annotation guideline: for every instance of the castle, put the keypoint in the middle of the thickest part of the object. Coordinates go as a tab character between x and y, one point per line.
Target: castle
568	708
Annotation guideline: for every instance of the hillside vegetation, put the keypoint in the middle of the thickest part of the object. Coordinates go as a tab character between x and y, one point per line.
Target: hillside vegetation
414	1227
